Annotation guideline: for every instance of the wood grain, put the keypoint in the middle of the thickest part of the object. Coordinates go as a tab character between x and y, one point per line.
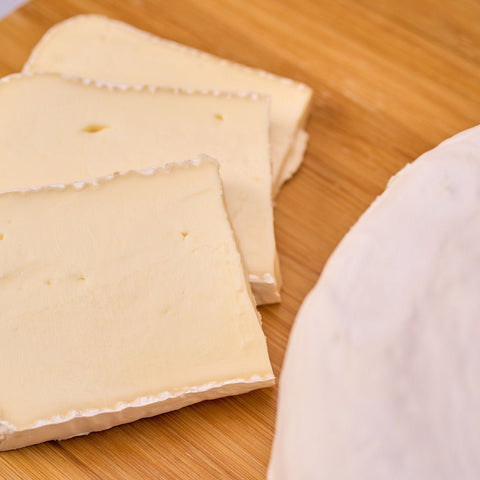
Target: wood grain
391	80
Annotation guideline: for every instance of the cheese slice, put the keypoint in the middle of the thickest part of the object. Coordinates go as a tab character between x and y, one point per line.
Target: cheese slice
121	298
60	130
380	379
96	47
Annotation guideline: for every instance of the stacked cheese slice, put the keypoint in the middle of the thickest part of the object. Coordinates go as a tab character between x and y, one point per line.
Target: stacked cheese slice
127	279
89	130
121	298
96	47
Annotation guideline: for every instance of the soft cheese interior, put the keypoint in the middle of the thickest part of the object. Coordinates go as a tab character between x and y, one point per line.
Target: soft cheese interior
96	47
121	298
55	130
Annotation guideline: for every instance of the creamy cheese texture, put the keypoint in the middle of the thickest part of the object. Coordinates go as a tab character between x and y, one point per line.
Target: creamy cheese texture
292	162
381	376
121	298
60	130
97	47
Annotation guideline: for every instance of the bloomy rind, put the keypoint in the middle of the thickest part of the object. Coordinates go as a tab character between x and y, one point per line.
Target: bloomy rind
374	351
81	423
266	288
113	86
165	168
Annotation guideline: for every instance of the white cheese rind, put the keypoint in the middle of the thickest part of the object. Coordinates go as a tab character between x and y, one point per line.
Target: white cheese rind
380	378
97	47
105	312
145	125
78	423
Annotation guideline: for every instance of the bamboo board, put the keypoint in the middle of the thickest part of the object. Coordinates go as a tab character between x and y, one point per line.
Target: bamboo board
391	80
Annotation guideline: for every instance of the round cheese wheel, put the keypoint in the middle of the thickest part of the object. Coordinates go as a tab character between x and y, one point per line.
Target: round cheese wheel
382	372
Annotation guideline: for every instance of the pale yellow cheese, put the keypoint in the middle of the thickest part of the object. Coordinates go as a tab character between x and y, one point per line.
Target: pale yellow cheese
59	130
121	298
97	47
292	162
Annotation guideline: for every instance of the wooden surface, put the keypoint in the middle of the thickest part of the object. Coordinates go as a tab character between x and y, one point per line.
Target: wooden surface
391	79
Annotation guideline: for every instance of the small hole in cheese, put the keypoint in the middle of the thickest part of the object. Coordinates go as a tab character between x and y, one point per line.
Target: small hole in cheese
1	236
48	282
95	127
218	116
81	277
184	234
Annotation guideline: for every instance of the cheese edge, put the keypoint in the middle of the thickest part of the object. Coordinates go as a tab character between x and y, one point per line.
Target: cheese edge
165	168
293	161
266	288
114	86
77	423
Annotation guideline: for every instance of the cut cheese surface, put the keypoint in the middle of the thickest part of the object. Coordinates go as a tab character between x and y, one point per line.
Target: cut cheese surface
96	47
381	375
121	298
293	161
60	130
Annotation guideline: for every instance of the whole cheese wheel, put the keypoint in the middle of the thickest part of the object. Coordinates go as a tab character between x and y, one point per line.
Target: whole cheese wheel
382	373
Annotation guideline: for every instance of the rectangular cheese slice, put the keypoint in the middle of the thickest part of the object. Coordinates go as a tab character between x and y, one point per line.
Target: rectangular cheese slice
60	130
121	298
96	47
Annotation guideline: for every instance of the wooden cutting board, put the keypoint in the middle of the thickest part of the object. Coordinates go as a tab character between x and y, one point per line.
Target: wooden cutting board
391	80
